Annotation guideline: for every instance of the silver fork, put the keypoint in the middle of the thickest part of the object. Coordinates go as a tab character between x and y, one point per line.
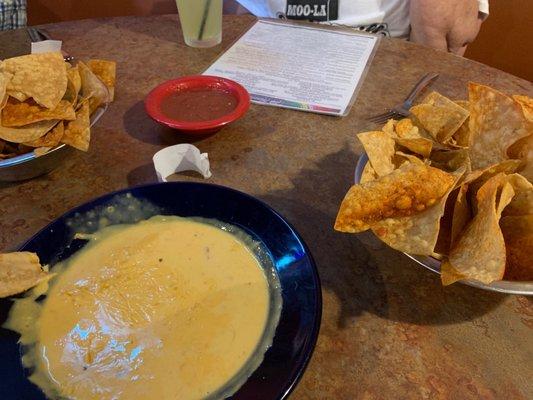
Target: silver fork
402	110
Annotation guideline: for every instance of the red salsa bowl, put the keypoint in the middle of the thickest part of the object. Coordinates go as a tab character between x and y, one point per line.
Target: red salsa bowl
197	104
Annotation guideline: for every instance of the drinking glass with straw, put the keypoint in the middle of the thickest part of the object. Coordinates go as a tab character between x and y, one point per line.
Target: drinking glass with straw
201	22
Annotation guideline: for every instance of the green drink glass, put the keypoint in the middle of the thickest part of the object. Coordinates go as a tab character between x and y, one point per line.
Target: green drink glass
201	22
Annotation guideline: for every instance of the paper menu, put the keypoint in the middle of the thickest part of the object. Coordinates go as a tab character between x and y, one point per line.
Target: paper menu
298	66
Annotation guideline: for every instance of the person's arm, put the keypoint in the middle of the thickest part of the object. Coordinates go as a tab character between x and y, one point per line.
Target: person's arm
448	25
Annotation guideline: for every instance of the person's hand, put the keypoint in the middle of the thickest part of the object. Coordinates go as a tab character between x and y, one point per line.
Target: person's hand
448	25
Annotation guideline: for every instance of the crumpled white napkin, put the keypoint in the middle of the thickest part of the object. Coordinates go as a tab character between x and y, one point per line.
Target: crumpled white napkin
178	158
46	46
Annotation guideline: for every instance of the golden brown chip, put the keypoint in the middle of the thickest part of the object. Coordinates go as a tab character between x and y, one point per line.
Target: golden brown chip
368	174
461	138
92	88
479	253
518	235
522	202
73	75
526	103
42	77
523	150
496	122
3	94
40	151
440	116
451	160
379	147
26	133
400	158
418	233
463	103
51	139
407	190
17	114
419	146
462	214
477	178
3	103
389	127
406	130
442	247
78	133
106	71
19	272
73	86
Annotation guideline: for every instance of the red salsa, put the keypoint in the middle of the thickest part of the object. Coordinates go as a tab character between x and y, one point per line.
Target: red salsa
198	104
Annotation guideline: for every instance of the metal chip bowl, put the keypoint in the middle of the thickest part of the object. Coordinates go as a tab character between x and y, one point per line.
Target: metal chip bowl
27	166
512	287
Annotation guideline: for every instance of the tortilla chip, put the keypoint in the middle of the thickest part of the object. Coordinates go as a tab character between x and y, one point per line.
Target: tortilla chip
479	253
40	76
379	147
19	272
416	234
523	150
78	133
73	75
3	103
461	137
41	151
419	146
73	86
26	133
92	88
496	122
16	114
463	103
51	139
3	88
406	130
451	160
462	214
518	235
106	71
406	191
477	178
400	158
368	174
440	116
443	244
522	202
526	103
389	127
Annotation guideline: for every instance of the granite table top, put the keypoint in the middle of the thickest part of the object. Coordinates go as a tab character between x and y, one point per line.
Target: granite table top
389	329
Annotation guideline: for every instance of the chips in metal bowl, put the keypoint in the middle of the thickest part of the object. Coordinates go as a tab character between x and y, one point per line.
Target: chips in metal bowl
47	106
477	230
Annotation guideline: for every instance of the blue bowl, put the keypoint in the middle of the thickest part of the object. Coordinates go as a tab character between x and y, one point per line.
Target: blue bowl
299	323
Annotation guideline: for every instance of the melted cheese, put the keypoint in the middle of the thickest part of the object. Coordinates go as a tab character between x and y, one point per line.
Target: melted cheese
168	308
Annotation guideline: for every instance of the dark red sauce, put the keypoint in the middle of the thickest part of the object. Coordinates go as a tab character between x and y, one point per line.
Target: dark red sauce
198	104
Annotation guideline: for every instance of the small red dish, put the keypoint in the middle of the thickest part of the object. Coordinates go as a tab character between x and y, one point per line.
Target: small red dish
156	98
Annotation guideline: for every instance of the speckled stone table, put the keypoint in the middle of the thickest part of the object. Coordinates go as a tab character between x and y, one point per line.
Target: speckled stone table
389	330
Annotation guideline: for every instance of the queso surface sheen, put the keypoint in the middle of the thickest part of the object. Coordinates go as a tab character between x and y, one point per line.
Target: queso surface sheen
168	308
